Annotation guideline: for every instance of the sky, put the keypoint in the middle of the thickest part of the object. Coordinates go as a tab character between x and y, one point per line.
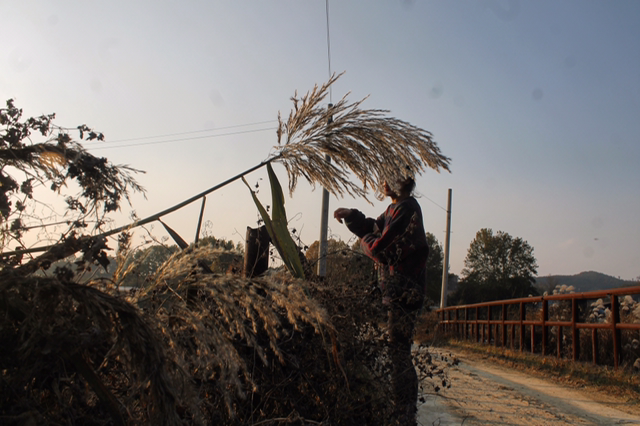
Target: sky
536	102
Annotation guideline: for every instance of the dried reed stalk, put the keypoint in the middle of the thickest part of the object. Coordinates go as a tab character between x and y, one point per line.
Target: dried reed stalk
364	142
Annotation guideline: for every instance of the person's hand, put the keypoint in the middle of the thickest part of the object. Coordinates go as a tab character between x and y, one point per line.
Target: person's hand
341	213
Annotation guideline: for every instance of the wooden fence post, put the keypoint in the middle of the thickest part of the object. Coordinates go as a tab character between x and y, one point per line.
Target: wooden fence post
594	345
522	318
575	333
504	327
617	333
533	338
466	325
256	252
489	334
477	325
559	343
545	334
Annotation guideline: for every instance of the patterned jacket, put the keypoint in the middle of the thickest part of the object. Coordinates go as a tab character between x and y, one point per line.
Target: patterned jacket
396	239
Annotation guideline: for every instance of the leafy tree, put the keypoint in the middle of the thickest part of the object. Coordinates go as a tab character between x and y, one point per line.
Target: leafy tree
434	269
220	243
56	162
496	267
140	265
344	264
54	330
228	256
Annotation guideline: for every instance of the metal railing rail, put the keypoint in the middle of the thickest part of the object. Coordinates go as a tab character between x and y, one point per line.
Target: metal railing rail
477	321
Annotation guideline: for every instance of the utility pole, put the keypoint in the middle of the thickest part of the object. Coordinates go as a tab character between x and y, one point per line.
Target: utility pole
324	223
445	266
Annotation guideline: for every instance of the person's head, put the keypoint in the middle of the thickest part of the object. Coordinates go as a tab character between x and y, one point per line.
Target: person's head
399	188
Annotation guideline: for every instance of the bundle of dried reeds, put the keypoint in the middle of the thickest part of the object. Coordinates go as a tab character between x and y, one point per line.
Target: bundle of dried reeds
364	142
73	351
207	319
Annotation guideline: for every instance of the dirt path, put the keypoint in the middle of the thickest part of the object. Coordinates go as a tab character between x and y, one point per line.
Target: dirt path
473	392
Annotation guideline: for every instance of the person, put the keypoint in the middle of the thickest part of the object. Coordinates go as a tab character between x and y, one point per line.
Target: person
397	241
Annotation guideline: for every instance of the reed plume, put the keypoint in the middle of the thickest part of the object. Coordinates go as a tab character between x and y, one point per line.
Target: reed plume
365	142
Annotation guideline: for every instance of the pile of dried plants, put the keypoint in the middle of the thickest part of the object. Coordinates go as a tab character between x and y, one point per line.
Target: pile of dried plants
274	350
197	348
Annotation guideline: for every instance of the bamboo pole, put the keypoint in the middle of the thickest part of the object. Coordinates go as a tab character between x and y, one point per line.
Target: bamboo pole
156	216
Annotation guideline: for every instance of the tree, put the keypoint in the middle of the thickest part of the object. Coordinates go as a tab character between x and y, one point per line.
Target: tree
53	327
142	263
496	267
26	166
344	263
434	270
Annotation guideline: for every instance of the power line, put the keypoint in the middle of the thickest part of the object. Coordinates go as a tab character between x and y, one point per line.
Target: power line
182	139
329	49
422	195
190	132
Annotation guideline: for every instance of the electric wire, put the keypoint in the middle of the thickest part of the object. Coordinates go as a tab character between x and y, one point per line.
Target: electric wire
422	195
180	140
190	132
329	50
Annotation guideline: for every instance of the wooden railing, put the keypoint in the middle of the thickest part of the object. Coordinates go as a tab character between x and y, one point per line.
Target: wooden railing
565	318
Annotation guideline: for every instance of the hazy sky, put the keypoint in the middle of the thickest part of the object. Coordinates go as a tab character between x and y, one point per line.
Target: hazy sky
536	102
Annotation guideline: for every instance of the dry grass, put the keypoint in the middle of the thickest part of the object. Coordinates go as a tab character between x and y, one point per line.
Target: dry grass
71	351
364	142
197	348
205	316
181	352
428	332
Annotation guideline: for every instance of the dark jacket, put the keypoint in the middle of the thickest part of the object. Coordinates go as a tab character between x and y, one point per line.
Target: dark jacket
396	239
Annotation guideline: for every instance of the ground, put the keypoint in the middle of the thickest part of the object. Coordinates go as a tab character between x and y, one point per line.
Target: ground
471	390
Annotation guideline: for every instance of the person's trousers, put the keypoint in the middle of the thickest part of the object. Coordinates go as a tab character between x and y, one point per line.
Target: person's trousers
403	377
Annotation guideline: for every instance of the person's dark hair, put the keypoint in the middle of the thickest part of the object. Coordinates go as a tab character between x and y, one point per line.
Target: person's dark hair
407	186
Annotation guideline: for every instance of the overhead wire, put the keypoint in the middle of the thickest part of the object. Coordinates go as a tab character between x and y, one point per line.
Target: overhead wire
181	140
422	195
191	132
328	49
101	144
330	92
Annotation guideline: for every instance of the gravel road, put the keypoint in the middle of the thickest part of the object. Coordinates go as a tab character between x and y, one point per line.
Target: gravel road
471	391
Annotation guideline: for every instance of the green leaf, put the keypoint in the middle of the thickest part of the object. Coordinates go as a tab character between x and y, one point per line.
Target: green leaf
277	226
277	196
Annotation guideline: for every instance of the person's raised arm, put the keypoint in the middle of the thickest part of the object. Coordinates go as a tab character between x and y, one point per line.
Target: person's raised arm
356	221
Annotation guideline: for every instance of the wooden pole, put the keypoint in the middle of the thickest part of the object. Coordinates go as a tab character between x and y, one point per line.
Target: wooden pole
324	224
204	200
445	266
156	216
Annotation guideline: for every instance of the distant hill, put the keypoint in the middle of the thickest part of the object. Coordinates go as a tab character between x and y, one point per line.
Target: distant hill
584	281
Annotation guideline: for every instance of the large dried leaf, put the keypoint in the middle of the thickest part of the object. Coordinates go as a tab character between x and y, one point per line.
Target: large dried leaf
277	226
